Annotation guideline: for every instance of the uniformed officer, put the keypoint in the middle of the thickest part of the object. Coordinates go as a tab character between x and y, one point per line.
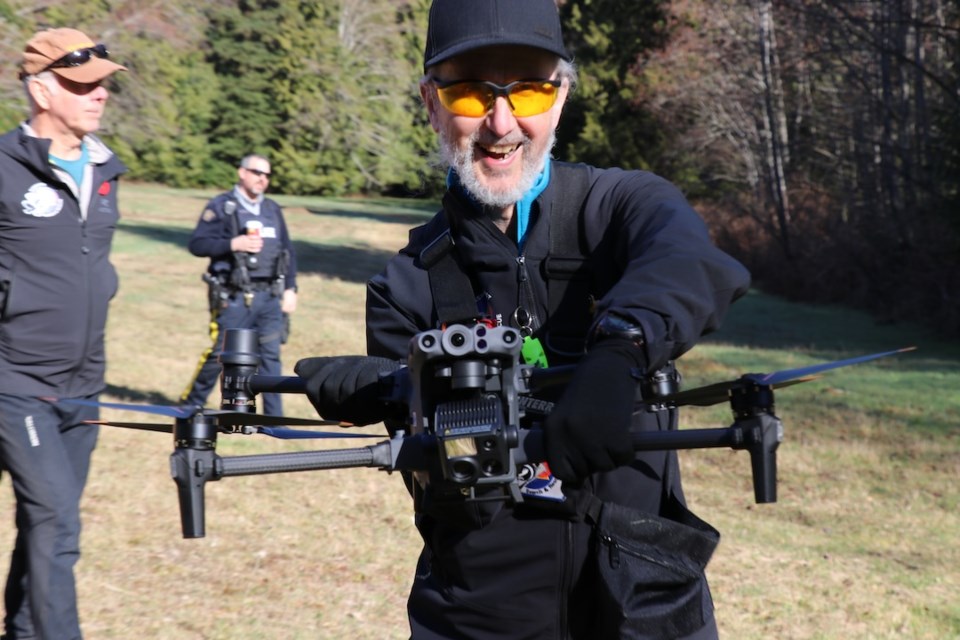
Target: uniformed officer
252	277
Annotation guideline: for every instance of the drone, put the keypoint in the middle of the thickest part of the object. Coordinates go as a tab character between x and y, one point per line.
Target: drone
466	393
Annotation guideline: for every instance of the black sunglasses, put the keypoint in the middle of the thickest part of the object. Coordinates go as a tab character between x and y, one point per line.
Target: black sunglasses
79	57
258	173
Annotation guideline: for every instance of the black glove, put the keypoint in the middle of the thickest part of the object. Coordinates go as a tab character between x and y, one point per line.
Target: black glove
347	388
589	428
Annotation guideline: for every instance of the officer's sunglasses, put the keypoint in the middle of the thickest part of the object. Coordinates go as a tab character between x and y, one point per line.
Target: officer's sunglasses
475	98
79	57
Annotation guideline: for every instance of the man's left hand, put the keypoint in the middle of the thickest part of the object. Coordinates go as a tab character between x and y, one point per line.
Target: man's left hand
288	304
589	428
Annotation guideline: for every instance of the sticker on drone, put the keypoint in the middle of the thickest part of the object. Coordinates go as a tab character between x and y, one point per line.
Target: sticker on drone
538	482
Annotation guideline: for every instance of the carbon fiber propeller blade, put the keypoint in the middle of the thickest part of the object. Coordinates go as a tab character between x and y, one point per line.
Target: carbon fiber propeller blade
781	376
226	418
160	410
297	434
282	433
143	426
720	391
240	418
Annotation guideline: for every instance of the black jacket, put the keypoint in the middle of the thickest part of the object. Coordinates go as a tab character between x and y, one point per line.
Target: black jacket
56	279
651	256
652	261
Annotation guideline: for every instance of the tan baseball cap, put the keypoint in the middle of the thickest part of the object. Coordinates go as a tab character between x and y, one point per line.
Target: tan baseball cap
72	54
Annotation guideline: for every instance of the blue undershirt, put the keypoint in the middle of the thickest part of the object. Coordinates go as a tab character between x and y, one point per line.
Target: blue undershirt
74	167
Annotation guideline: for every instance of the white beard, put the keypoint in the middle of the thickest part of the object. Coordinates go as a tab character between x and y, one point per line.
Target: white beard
461	161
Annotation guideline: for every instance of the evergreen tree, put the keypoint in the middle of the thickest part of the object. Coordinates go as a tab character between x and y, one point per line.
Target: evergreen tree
244	52
603	123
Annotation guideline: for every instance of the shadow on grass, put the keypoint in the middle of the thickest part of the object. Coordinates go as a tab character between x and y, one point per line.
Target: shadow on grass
760	321
126	394
351	264
409	219
178	236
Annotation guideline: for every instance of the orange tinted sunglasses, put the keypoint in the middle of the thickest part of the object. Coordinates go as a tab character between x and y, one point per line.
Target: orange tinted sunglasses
475	98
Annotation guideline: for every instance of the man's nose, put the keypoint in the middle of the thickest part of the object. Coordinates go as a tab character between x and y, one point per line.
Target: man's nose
500	119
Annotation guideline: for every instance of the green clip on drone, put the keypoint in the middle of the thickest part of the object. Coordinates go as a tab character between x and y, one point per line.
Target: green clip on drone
465	392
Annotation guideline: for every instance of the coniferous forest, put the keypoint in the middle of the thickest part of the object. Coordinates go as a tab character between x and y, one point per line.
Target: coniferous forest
820	140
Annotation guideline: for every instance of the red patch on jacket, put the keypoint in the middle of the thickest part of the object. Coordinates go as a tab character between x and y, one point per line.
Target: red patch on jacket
104	189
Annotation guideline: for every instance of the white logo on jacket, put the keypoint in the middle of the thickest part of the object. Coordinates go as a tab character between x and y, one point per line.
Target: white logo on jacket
41	201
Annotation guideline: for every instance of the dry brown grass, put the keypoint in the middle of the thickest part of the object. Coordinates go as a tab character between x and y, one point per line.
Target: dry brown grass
862	543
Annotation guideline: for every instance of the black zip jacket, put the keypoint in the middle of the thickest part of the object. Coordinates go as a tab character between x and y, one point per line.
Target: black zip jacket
56	279
652	257
652	262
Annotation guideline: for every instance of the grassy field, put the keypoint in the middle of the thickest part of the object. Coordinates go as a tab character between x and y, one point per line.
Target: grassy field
863	542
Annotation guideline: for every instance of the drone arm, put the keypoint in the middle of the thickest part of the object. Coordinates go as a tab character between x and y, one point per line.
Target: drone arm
400	452
531	441
295	461
192	466
760	435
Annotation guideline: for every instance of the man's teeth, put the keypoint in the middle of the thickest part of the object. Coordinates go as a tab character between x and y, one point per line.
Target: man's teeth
501	150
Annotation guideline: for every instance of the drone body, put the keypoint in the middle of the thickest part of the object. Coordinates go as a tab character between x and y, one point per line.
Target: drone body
466	392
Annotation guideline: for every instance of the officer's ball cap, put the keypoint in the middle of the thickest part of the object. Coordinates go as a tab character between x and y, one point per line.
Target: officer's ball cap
48	46
459	26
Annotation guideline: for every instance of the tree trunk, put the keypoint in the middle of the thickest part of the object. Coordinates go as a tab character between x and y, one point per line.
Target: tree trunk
774	129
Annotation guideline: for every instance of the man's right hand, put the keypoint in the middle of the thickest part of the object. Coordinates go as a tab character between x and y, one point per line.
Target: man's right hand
589	428
246	244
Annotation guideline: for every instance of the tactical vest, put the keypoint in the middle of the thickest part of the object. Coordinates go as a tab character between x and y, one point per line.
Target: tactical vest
265	267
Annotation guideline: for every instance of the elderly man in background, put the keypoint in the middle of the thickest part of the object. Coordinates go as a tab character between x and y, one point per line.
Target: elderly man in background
58	212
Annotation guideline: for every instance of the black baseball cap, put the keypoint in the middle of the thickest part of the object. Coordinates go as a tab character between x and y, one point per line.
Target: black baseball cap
458	26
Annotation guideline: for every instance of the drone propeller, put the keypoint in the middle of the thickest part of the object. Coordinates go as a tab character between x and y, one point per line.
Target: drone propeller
299	434
184	412
181	412
780	376
143	426
244	419
281	432
273	426
720	392
221	417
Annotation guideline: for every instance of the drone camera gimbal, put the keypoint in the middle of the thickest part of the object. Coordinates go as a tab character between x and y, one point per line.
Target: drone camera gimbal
465	383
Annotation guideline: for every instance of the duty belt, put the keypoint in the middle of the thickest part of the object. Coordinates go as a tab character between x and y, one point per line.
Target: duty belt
261	284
